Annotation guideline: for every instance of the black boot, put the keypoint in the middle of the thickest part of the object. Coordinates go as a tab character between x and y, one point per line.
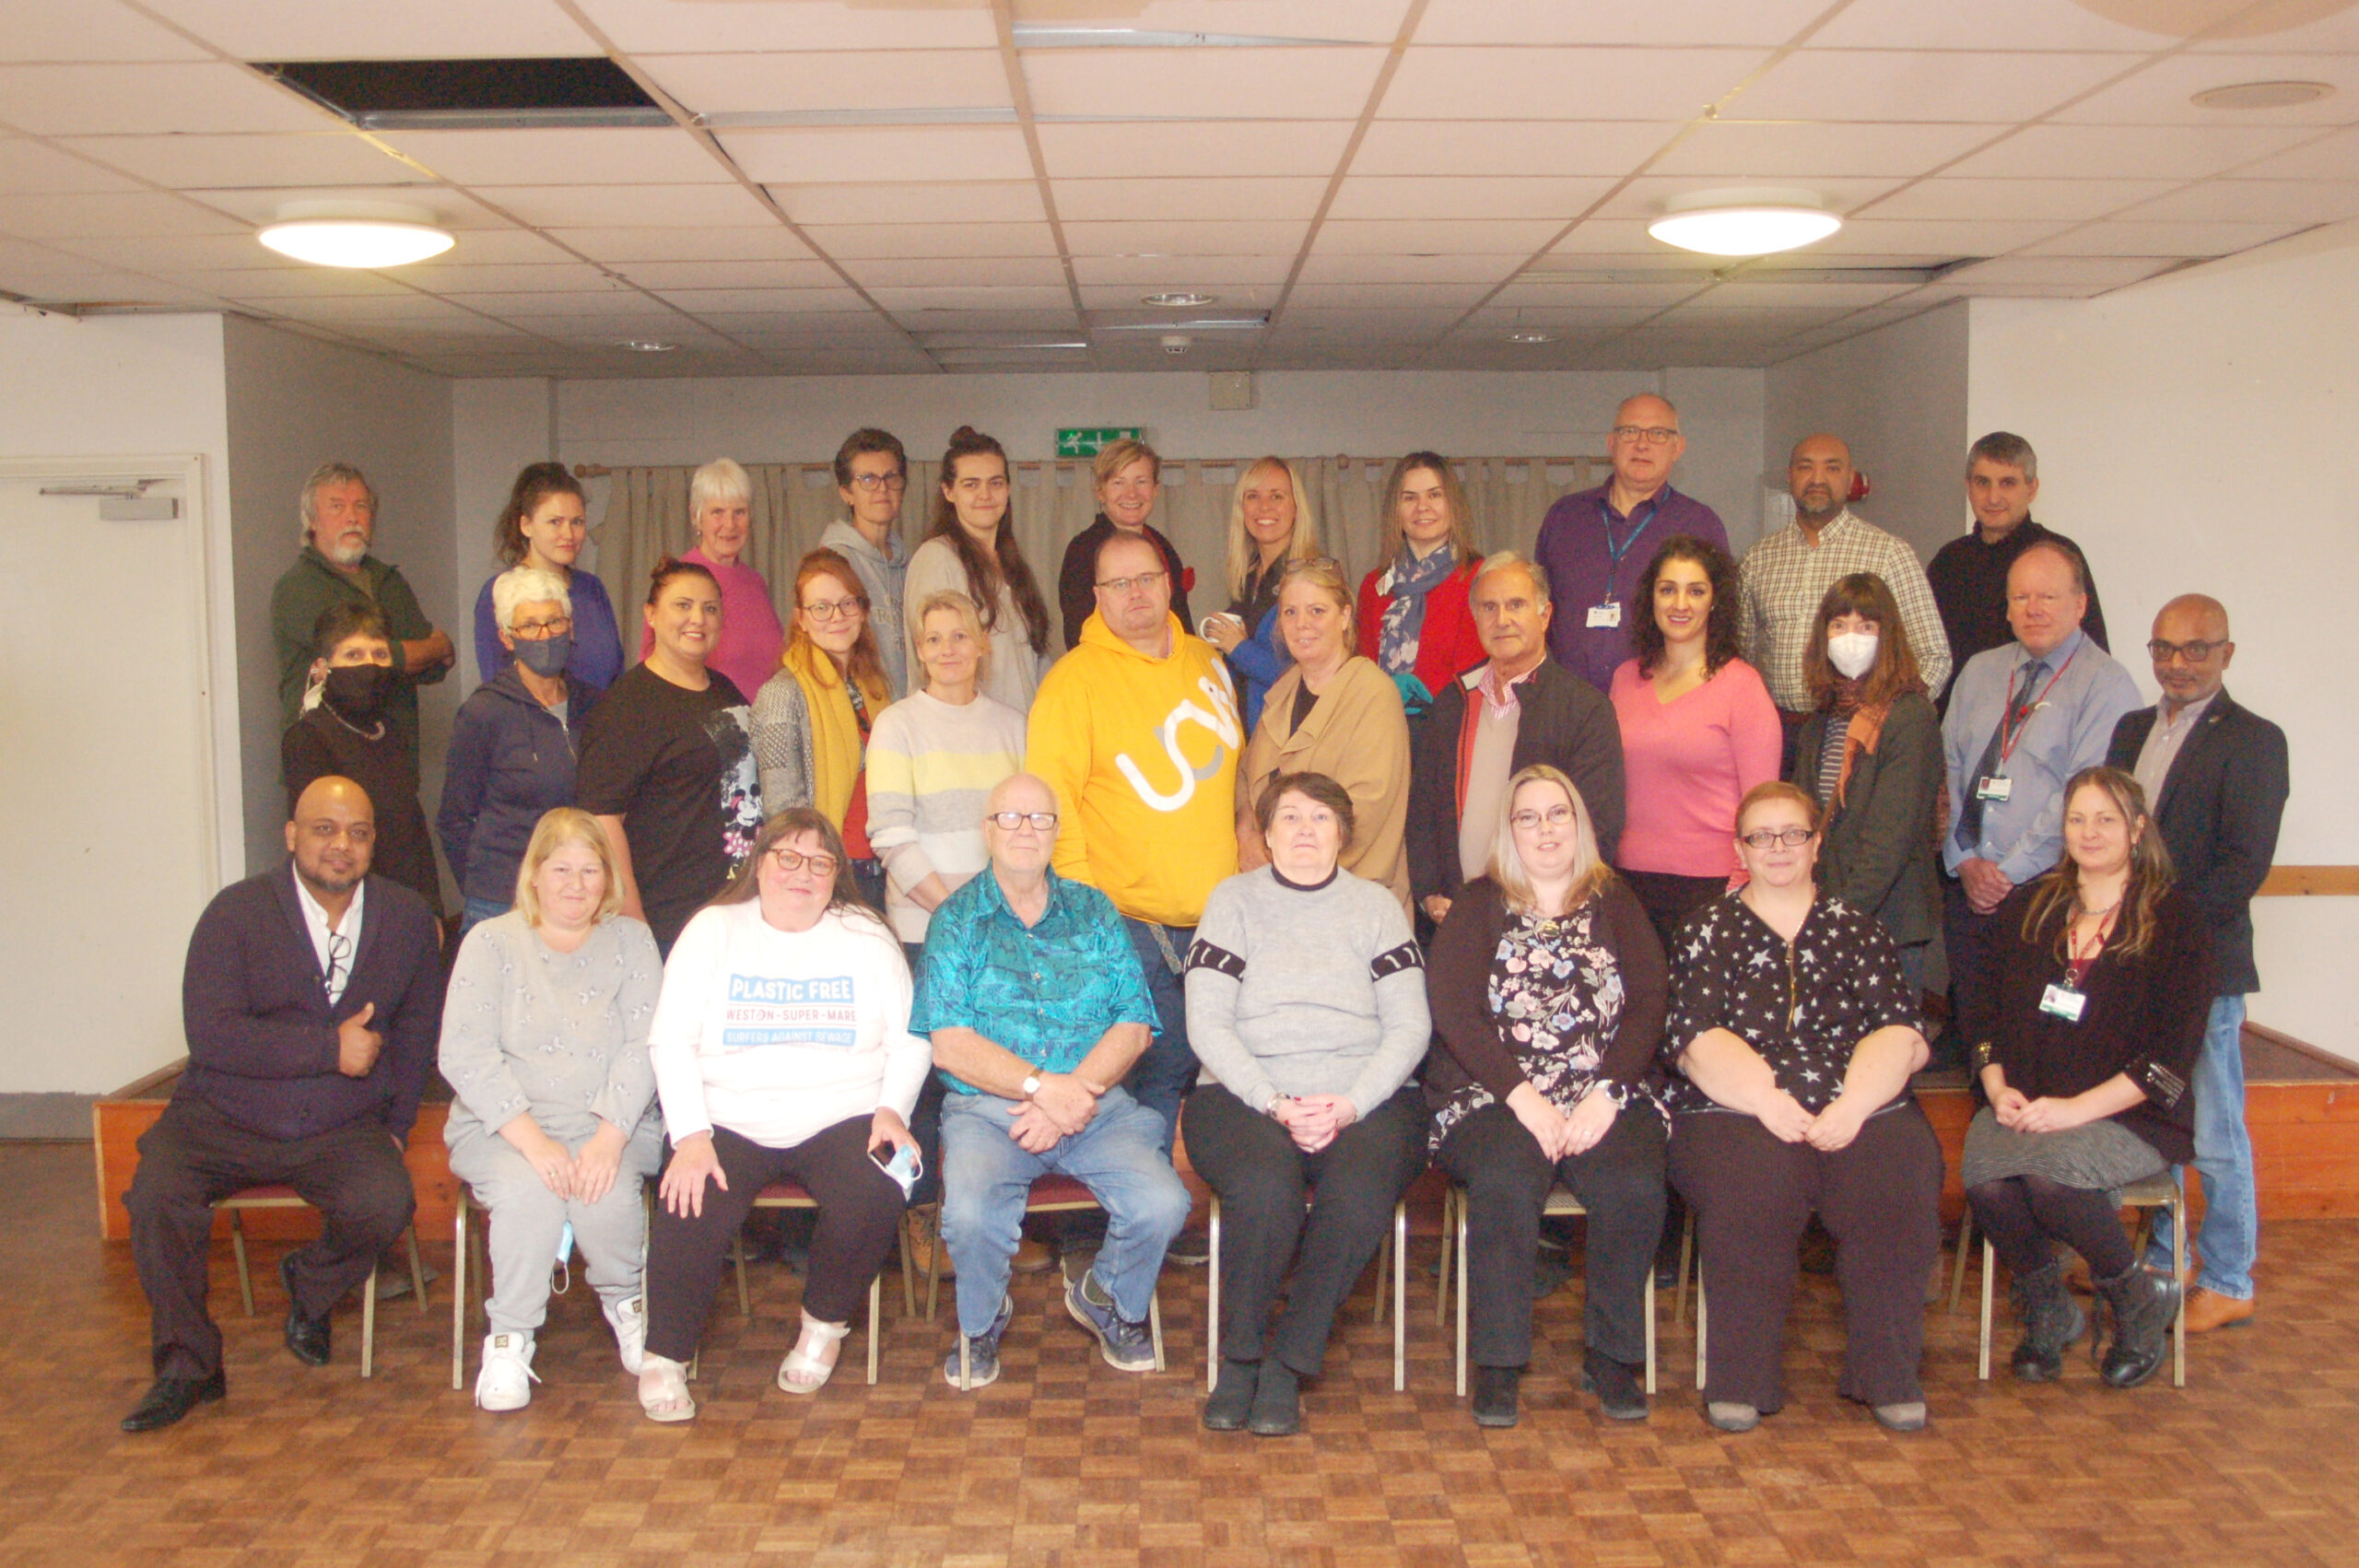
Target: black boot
2143	1302
1494	1391
1231	1400
2051	1321
1277	1401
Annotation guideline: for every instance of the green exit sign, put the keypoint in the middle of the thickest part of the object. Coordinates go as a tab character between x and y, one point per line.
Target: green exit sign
1091	440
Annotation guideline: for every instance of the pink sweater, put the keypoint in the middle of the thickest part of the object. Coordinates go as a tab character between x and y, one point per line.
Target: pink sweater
751	637
1686	764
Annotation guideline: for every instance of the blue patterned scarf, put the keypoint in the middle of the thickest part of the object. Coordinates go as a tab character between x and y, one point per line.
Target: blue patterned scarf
1407	582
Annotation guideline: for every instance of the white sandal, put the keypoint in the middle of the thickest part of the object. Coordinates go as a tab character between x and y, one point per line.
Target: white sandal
803	1372
663	1389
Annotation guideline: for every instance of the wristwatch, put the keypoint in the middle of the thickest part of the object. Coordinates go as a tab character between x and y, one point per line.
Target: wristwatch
1031	1084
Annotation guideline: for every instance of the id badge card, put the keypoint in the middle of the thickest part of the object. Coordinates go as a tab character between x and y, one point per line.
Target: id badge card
1608	614
1995	789
2061	1000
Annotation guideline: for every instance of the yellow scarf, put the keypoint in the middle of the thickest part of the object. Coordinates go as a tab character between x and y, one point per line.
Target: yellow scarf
834	729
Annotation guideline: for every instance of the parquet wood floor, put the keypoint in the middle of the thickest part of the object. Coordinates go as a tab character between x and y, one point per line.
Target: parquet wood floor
1067	1462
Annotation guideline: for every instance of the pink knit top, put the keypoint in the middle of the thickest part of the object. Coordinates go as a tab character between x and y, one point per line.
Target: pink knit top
1686	764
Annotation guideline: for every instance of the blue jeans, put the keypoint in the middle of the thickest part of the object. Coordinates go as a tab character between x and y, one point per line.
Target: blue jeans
986	1175
478	910
2231	1233
1163	1075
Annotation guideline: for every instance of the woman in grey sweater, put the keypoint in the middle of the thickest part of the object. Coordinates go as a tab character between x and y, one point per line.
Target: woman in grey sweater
554	1125
1306	1007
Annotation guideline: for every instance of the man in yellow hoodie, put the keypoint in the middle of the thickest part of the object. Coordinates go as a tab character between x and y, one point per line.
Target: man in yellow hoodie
1136	729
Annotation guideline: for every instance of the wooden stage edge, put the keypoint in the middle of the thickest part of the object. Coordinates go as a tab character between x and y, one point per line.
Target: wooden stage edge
2304	1137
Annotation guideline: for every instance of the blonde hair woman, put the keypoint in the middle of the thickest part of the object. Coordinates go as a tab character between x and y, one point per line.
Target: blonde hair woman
1272	525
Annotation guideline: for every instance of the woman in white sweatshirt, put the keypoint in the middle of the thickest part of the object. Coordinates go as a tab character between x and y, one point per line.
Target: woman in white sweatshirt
782	1051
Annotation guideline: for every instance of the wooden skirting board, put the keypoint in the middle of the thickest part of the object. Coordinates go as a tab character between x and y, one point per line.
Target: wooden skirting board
2311	881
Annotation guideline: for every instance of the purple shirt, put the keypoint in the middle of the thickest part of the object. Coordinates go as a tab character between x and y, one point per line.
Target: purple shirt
1578	545
751	637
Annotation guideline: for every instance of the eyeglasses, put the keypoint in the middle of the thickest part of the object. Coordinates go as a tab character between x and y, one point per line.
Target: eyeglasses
339	961
534	631
1314	564
786	860
1008	822
1790	838
831	609
2194	653
1646	435
1555	816
873	483
1117	586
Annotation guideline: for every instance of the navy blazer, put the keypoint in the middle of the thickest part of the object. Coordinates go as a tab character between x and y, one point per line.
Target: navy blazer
2218	812
261	1039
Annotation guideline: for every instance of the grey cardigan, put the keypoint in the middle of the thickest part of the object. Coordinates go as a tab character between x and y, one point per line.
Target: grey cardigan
1877	853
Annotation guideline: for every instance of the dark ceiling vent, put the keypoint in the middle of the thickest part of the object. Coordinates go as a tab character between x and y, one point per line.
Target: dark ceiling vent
413	95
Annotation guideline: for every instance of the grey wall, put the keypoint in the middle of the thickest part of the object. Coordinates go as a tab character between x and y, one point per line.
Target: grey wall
293	404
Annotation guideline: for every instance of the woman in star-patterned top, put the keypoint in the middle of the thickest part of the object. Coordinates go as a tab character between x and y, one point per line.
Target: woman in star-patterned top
1792	1037
1547	986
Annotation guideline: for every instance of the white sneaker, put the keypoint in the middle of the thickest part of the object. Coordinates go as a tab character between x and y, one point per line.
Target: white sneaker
507	1379
628	1320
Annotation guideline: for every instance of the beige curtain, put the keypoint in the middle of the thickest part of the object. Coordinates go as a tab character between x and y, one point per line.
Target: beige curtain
647	515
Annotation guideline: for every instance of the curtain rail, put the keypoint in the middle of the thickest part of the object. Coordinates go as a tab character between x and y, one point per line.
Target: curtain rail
600	470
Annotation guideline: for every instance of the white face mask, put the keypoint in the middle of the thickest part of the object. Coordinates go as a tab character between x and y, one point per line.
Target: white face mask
1852	653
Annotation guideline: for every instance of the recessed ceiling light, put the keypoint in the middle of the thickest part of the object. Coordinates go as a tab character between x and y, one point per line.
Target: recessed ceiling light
1176	301
1528	336
646	345
2262	95
356	234
1750	222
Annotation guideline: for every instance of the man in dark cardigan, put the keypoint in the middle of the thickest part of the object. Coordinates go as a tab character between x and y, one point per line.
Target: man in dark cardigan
2216	778
313	999
1516	708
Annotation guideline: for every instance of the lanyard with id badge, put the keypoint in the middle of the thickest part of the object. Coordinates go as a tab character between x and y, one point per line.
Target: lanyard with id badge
1608	615
2064	999
1995	785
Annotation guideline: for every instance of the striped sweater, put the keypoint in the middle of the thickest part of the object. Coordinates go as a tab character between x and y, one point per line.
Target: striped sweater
932	767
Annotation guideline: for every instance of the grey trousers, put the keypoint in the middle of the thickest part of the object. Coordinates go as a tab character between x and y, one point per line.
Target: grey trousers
527	1219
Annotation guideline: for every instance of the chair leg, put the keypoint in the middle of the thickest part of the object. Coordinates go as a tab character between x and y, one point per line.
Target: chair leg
368	1324
934	1278
1211	1298
416	1271
1399	1295
1383	1267
1957	1274
1990	1269
909	1283
745	1298
1155	1326
1441	1280
1650	1328
459	1297
1686	1254
2178	1271
1700	1325
876	1319
238	1250
1462	1206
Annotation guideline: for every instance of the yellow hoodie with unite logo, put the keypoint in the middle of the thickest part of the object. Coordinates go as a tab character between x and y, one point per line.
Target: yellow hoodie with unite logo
1141	753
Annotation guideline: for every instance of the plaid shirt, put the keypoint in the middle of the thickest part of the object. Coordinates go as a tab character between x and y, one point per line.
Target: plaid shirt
1785	578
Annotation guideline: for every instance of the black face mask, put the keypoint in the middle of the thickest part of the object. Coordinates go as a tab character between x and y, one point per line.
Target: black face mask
545	656
358	690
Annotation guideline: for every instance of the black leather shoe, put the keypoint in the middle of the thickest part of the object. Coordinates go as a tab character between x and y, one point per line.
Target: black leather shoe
1618	1388
1495	1389
307	1336
1231	1400
1277	1401
172	1398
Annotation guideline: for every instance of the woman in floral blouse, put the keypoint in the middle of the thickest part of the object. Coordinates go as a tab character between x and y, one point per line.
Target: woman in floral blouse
1547	989
1791	1038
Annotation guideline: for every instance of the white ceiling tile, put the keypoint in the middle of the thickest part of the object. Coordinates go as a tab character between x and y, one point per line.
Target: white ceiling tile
461	279
902	241
2181	239
1619	236
1521	22
137	214
2163	93
292	281
1153	274
1183	239
650	207
1546	294
2031	24
1385	296
618	247
506	246
1479	148
1739	294
95	30
774	273
1557	83
2288	26
2334	156
2255	201
414	29
2060	275
2128	152
1346	20
27	166
1217	84
814	155
833	312
1082	201
806	81
198	162
413	308
649	155
1890	85
2006	200
68	100
668	27
1495	318
1753	149
454	210
1436	198
1223	148
1642	199
1930	237
1347	266
1039	272
907	302
170	255
979	201
1415	237
778	305
951	324
527	306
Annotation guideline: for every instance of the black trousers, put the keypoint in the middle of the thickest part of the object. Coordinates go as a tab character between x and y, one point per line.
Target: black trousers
860	1210
1668	898
193	1154
1752	1195
1506	1178
1978	945
1263	1180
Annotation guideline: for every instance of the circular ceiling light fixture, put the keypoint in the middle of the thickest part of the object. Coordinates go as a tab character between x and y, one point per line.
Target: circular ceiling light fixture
356	234
1177	300
1748	222
2262	95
